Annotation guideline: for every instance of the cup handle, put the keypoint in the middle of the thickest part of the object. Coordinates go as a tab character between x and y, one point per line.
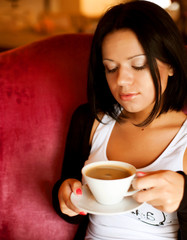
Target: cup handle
130	192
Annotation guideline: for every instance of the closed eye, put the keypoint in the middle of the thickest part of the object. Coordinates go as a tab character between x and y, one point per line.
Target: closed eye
107	70
138	68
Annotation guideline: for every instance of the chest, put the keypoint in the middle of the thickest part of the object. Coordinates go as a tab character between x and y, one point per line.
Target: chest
138	147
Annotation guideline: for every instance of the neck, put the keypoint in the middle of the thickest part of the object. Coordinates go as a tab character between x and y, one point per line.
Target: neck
137	118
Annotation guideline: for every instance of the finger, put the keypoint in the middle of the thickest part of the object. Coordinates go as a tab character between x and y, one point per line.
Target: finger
157	198
65	192
64	209
149	180
157	195
165	191
76	187
72	187
138	175
146	196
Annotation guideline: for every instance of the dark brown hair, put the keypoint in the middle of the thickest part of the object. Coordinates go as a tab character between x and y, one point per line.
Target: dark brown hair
160	39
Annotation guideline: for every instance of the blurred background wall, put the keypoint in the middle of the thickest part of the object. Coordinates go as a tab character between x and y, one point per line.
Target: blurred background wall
25	21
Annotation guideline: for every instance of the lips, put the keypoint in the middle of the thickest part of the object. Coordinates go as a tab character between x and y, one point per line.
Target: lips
128	96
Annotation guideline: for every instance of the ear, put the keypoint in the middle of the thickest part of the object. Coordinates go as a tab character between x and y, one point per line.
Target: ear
170	71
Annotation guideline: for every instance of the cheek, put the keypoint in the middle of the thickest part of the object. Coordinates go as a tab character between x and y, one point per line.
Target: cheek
147	88
149	92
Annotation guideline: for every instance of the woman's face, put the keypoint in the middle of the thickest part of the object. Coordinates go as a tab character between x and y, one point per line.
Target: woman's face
127	72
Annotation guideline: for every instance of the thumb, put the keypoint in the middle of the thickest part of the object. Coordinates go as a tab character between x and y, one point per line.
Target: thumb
77	188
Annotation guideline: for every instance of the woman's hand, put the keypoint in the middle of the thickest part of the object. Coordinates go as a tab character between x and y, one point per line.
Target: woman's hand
64	193
162	189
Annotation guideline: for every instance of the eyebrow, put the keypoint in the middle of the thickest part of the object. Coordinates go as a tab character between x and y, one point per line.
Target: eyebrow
129	58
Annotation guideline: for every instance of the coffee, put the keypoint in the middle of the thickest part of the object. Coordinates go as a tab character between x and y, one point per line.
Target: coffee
108	172
109	181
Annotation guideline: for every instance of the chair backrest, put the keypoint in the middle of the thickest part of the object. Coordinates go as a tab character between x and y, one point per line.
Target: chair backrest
40	86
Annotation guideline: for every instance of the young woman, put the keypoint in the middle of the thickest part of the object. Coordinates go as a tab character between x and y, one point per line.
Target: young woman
136	90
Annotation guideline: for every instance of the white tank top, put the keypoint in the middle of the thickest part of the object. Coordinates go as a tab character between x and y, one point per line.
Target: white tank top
146	222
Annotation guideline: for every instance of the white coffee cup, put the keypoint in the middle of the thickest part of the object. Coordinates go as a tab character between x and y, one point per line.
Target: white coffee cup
107	189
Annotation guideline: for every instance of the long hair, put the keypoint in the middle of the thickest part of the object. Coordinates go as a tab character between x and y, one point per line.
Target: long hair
160	39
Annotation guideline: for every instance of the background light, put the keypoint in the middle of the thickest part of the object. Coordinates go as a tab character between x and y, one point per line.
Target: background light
161	3
95	8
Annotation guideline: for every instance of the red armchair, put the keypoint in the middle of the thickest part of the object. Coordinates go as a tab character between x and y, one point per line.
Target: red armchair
40	86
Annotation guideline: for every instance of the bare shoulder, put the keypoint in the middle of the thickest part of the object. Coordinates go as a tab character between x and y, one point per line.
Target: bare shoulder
179	117
185	159
95	125
185	162
171	122
176	119
185	154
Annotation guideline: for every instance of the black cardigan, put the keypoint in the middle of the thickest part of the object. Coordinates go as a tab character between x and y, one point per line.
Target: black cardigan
76	153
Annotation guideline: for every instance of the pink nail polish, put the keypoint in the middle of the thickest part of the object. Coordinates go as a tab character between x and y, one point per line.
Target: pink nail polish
79	191
82	213
140	174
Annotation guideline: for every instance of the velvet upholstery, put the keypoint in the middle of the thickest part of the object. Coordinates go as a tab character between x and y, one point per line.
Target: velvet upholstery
40	86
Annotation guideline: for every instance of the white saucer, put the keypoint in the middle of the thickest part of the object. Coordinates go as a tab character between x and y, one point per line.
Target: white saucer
87	203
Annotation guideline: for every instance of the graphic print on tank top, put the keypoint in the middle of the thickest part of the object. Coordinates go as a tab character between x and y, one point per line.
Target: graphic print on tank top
150	215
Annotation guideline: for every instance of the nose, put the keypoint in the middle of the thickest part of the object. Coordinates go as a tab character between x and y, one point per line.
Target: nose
124	77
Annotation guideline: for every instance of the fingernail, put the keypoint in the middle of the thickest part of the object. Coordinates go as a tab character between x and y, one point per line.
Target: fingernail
83	213
140	174
79	191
